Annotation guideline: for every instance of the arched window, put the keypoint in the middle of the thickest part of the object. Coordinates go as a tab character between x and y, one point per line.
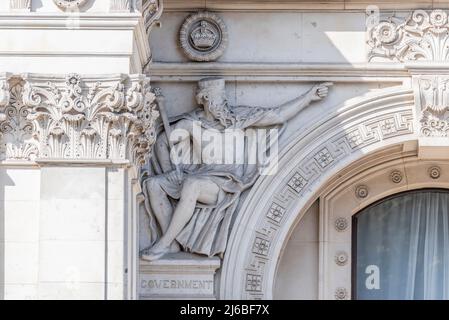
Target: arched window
401	247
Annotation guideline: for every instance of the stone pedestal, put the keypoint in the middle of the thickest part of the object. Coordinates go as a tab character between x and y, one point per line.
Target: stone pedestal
178	276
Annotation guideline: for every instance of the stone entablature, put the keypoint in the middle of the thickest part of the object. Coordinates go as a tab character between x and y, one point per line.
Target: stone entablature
275	5
76	118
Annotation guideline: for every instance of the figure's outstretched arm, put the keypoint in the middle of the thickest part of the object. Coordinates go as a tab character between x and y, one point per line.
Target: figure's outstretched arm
291	108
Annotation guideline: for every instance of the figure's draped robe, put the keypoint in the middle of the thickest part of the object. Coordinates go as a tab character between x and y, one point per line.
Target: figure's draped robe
208	229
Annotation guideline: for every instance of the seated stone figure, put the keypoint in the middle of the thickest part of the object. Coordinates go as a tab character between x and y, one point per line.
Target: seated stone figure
192	207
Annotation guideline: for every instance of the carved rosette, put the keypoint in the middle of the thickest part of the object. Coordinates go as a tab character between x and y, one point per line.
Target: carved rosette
361	191
72	119
396	176
422	35
434	172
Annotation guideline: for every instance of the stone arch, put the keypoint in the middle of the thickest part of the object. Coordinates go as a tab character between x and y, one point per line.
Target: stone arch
359	127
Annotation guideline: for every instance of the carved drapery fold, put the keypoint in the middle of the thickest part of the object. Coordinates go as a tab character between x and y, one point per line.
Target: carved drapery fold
107	119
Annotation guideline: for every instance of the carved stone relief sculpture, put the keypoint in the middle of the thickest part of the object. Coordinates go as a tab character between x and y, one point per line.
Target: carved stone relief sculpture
203	37
191	204
74	120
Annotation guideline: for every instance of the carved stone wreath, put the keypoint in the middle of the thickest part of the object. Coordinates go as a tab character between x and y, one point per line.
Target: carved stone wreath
203	37
69	4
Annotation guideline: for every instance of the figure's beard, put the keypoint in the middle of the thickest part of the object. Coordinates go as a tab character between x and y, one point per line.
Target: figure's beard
220	111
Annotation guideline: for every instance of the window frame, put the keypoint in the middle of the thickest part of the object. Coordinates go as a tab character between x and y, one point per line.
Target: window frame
354	229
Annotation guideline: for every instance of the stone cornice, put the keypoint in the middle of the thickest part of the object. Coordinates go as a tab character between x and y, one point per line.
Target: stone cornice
274	5
132	21
34	20
168	72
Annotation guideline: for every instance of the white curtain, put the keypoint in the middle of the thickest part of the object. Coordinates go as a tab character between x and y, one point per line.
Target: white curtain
403	247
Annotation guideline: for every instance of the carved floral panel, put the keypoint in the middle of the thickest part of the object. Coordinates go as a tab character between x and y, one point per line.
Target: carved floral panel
421	35
73	119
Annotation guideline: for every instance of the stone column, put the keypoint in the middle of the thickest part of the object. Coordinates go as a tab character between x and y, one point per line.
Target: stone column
79	143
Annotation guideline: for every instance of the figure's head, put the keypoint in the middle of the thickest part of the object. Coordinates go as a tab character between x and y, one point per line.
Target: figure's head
211	95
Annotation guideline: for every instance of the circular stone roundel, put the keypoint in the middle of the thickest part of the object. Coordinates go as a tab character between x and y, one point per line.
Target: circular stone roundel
203	37
69	4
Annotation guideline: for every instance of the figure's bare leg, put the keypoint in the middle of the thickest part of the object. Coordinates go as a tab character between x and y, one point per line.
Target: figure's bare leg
162	153
161	206
193	190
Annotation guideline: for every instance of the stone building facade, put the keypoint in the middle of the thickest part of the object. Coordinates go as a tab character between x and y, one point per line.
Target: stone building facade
89	90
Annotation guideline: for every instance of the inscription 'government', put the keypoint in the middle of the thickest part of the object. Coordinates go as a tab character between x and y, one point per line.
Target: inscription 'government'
177	284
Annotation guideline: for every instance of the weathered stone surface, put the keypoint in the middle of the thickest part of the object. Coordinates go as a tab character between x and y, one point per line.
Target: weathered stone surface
184	276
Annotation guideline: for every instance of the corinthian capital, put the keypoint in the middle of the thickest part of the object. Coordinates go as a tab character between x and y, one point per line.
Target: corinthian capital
91	118
4	99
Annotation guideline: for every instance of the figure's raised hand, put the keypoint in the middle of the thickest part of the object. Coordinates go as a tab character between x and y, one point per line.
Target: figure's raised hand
320	91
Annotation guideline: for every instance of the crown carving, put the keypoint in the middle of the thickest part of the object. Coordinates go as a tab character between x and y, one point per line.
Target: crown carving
204	36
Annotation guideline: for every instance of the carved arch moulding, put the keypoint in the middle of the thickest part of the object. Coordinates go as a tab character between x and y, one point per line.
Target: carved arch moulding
361	126
379	172
76	118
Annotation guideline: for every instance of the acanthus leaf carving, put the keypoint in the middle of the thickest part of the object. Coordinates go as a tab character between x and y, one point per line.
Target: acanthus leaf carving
420	36
4	99
15	130
94	121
